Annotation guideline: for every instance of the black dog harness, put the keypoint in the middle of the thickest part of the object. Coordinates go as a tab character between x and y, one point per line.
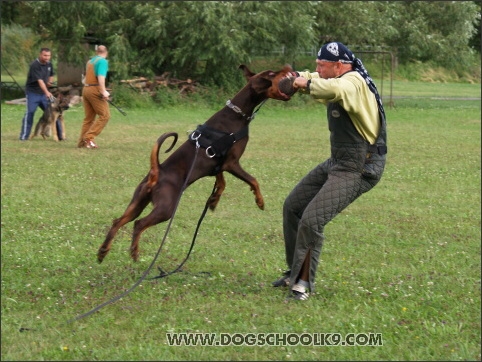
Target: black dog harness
217	143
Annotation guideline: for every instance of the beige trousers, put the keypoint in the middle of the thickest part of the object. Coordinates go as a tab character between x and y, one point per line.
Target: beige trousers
94	105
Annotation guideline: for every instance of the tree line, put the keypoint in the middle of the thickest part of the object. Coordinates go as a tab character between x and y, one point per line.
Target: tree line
208	39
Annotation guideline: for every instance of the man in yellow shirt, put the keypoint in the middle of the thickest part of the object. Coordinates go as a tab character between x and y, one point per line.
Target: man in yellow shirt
356	120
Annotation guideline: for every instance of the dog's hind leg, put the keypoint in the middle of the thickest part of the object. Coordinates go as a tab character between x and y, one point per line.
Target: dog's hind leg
62	126
46	130
164	201
219	187
142	196
37	129
54	115
138	203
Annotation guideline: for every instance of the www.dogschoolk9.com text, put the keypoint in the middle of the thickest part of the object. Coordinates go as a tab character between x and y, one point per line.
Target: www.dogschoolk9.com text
274	339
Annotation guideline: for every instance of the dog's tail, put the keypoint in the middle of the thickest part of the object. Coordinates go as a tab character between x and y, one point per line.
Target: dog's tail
154	171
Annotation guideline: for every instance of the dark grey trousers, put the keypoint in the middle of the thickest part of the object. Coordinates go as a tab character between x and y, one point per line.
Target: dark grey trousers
322	194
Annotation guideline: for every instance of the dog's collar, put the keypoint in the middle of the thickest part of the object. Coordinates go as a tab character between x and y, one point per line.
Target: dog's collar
239	111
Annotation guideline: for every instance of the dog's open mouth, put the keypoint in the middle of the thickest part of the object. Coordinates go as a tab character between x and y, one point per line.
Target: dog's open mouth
283	95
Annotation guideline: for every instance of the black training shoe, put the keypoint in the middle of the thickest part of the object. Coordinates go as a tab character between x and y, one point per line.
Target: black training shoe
284	281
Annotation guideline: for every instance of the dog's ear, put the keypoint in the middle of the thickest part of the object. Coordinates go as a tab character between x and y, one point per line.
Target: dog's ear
246	72
287	68
261	84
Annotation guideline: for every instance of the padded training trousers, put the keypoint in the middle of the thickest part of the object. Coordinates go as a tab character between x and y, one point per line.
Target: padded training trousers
316	199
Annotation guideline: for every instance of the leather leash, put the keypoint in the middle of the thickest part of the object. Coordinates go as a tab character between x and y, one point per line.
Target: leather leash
163	273
146	272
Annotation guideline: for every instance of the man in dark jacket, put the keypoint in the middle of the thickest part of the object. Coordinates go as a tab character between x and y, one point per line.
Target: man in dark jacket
40	77
356	120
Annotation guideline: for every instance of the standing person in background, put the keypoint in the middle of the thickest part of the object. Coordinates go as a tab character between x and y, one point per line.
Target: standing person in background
356	120
40	77
95	97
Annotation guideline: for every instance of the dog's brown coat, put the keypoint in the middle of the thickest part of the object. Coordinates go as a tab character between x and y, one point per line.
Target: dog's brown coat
163	184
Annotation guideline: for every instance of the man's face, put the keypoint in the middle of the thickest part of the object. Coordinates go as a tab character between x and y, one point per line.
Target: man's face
326	69
44	57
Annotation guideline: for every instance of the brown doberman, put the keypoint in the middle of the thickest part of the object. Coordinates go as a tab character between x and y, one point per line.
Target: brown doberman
223	138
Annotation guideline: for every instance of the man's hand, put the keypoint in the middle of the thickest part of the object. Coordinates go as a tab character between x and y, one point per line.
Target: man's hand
105	94
49	96
285	86
300	82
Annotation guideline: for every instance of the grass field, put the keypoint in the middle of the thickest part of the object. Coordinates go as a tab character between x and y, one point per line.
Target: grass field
402	262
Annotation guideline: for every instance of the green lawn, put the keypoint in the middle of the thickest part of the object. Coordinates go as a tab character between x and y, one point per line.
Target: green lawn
402	262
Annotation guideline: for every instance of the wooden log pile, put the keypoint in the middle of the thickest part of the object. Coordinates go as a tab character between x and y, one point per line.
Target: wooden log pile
71	92
151	86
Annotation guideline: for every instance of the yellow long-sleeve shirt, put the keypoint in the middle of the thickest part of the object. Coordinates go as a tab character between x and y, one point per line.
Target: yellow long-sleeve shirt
352	93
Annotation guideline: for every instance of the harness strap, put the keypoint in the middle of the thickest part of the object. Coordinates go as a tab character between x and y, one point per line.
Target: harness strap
217	143
223	144
146	272
162	273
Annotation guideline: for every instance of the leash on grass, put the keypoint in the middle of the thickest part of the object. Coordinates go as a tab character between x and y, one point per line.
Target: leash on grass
196	138
163	273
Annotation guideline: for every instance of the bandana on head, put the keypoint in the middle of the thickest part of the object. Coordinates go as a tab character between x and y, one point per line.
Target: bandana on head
338	52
